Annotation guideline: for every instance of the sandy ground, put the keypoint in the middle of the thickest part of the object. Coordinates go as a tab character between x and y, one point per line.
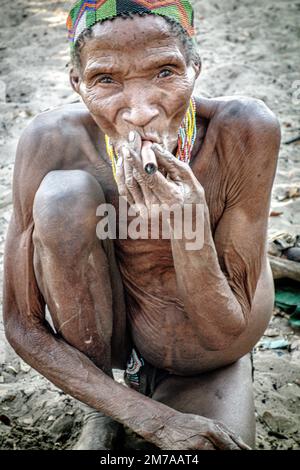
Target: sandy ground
248	47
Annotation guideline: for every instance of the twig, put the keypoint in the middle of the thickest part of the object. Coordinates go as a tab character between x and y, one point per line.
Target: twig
284	268
291	141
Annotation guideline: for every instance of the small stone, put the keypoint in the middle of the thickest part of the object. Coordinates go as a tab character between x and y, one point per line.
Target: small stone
11	369
272	332
24	367
27	421
295	346
293	254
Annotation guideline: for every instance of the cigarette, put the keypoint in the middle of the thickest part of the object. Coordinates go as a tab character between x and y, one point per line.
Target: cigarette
148	158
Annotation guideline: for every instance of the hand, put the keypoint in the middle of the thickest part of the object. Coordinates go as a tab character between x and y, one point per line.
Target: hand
173	183
192	432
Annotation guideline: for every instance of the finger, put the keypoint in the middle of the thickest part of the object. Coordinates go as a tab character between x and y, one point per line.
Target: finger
136	162
156	188
144	158
149	197
131	183
135	142
222	441
175	167
239	442
234	437
138	195
120	177
145	180
225	439
144	195
167	192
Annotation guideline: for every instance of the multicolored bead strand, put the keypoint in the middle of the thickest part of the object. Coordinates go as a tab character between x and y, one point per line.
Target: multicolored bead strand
187	134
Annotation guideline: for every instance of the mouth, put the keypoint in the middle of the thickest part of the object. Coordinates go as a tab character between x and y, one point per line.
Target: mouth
152	139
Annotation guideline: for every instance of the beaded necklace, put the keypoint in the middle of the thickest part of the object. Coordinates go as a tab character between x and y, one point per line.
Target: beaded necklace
186	138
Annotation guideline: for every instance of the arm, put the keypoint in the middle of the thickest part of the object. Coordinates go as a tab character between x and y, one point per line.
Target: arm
222	276
24	308
32	338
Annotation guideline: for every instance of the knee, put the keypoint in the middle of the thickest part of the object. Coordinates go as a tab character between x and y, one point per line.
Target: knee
64	209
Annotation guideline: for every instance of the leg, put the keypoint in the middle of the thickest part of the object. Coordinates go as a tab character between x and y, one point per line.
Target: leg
225	395
74	274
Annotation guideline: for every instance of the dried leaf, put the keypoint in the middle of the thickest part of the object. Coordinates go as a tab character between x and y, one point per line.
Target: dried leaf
275	214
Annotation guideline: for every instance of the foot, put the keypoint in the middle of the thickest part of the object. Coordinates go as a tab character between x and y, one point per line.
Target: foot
99	432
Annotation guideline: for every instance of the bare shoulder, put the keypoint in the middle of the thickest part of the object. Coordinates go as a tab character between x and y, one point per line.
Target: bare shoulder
52	141
239	111
57	126
56	139
246	121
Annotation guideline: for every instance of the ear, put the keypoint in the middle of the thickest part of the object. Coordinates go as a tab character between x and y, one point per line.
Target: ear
75	79
197	67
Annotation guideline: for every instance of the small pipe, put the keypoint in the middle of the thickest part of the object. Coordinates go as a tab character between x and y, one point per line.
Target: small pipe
148	158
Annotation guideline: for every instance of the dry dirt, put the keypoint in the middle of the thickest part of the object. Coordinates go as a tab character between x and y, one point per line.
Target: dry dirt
248	47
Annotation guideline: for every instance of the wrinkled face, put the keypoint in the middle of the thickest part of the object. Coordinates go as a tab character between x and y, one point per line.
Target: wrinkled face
135	76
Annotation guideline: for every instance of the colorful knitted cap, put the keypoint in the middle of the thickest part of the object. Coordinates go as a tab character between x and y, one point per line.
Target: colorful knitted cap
83	15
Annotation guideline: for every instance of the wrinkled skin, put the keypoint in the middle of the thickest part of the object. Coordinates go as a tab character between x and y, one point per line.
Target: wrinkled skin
197	313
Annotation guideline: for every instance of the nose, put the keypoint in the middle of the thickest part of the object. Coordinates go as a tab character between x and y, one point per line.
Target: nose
140	115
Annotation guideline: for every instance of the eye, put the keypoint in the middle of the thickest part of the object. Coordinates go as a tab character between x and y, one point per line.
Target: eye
164	73
104	79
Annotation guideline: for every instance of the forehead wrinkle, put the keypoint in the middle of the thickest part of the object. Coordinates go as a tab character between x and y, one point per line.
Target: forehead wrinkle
131	29
122	46
131	38
129	68
143	59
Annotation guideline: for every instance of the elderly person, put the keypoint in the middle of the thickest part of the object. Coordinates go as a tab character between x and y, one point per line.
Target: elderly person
180	321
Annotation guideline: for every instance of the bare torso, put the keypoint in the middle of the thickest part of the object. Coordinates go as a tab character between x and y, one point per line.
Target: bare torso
158	324
160	327
187	311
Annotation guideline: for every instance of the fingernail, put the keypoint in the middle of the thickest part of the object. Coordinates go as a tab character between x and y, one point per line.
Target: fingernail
131	136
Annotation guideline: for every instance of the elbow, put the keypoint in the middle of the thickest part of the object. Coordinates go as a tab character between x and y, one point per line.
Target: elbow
8	328
26	337
23	343
20	336
14	336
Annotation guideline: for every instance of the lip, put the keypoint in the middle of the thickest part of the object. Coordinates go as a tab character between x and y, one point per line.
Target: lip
152	139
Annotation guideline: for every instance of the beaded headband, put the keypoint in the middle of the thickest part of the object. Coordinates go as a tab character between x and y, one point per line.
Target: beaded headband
84	14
